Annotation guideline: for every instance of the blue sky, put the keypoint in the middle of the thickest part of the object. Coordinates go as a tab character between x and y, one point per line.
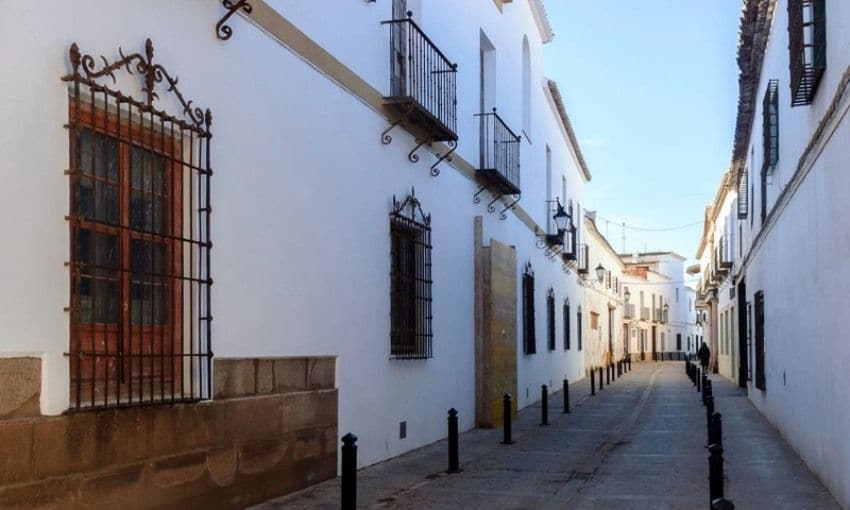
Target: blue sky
651	90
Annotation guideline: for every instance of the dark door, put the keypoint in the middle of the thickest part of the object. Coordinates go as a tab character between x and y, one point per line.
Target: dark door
653	344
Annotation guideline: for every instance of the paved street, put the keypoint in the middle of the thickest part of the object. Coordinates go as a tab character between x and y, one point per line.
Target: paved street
638	444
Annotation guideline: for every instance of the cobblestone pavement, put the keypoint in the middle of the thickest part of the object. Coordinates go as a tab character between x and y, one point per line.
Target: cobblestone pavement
637	444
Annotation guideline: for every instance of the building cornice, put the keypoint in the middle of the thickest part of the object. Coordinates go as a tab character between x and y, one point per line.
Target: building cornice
541	19
754	32
568	127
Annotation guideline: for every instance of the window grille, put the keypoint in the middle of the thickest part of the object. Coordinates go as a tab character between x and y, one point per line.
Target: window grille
758	312
550	317
578	327
807	48
140	237
410	280
770	127
566	324
743	194
529	342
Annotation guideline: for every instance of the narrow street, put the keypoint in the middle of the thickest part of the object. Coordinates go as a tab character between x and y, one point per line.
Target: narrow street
639	443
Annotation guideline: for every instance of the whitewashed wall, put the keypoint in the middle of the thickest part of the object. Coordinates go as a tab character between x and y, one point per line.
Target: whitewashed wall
801	262
301	196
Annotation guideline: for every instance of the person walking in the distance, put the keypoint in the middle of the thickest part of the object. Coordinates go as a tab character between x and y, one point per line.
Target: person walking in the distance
704	354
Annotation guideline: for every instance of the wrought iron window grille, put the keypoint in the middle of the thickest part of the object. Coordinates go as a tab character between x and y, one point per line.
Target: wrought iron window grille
223	31
807	48
423	91
579	327
411	332
499	162
770	127
550	317
529	341
566	313
584	260
140	290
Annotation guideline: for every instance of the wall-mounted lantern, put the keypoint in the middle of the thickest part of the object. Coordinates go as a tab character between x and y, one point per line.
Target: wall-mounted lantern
600	273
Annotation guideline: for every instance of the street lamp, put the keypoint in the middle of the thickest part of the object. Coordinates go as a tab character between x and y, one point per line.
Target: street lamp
600	273
627	294
562	222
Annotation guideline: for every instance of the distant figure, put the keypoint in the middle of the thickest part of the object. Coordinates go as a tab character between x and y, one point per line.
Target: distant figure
704	354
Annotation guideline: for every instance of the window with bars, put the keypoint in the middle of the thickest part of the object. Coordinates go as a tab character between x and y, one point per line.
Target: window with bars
807	48
140	240
770	127
410	280
758	319
566	312
529	342
550	318
578	328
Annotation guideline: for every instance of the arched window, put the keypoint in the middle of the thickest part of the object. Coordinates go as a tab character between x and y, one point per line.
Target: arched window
526	86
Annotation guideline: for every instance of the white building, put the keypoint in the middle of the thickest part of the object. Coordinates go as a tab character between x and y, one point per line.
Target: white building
288	214
603	301
660	310
790	271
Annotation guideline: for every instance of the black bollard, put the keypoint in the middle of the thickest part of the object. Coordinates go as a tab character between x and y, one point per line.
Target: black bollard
607	374
348	480
506	419
566	396
454	464
601	386
699	379
592	382
722	504
709	410
544	405
715	472
706	391
716	430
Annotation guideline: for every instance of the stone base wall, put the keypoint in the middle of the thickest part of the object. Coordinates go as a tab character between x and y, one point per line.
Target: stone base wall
244	447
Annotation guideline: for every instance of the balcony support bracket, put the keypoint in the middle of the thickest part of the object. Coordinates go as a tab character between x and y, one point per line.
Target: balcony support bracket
445	157
224	32
386	139
477	198
503	215
412	156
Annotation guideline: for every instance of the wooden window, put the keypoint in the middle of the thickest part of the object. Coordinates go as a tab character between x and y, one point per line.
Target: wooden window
758	312
550	318
410	281
529	342
566	324
807	48
127	215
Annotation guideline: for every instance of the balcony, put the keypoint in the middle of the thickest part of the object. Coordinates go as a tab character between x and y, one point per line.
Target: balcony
644	313
423	92
658	315
629	311
499	155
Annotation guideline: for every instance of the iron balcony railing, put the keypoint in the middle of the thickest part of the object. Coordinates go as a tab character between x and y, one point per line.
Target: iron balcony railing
644	313
657	316
629	311
422	80
499	154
